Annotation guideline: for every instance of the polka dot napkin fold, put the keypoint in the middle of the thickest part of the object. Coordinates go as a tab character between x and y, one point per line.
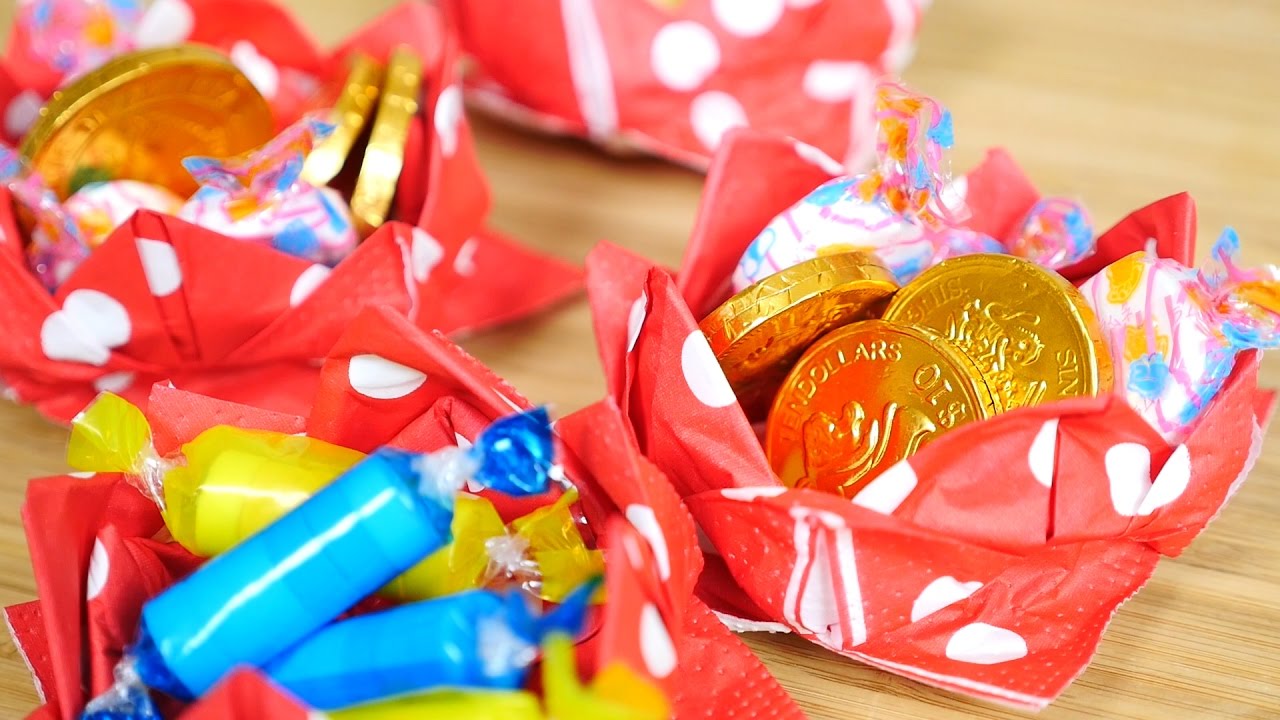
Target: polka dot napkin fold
166	300
669	77
96	558
990	562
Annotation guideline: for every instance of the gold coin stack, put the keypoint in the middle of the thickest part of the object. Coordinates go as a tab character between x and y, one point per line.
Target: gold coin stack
138	116
384	153
857	374
371	111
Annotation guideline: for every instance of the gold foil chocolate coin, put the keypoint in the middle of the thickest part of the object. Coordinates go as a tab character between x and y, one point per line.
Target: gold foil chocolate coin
1031	333
139	115
758	334
350	115
866	396
384	156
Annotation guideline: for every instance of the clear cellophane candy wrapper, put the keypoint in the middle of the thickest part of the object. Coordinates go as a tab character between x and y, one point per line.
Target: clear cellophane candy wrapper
97	555
669	77
262	197
1066	507
906	210
57	244
161	299
1175	332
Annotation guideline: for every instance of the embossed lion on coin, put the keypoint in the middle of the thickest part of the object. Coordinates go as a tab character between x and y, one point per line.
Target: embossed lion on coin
841	452
1000	339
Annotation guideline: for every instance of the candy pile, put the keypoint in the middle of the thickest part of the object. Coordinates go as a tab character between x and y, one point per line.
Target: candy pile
1066	507
300	531
183	131
905	211
872	321
214	148
209	507
215	475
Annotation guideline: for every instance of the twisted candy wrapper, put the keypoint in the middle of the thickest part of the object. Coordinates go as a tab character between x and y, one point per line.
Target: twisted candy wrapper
669	78
1055	233
164	300
229	483
542	552
261	196
912	132
897	210
273	600
907	210
834	218
990	562
1175	333
253	179
739	202
57	245
389	383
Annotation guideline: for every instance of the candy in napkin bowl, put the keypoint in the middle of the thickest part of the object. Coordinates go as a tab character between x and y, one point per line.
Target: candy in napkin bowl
162	299
988	563
97	559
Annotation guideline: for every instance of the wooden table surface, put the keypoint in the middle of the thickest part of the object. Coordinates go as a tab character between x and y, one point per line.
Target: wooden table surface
1118	103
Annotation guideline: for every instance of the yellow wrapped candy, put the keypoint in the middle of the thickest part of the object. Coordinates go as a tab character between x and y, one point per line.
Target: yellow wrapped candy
458	566
238	481
544	551
229	482
561	557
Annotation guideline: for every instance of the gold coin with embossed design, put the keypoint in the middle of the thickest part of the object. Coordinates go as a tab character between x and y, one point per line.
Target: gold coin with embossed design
758	334
863	398
384	155
139	115
1031	333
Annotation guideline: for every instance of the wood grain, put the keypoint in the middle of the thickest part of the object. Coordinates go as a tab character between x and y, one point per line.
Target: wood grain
1119	103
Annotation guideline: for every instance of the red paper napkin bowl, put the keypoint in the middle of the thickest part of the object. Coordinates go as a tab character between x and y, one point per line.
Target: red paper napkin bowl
990	562
669	77
97	558
165	300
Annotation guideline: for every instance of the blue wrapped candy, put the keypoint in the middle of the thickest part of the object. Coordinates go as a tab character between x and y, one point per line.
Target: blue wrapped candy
279	586
474	639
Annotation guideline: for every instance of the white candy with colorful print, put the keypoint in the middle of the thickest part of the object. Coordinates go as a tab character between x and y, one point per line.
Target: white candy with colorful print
1168	357
311	223
834	219
101	207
